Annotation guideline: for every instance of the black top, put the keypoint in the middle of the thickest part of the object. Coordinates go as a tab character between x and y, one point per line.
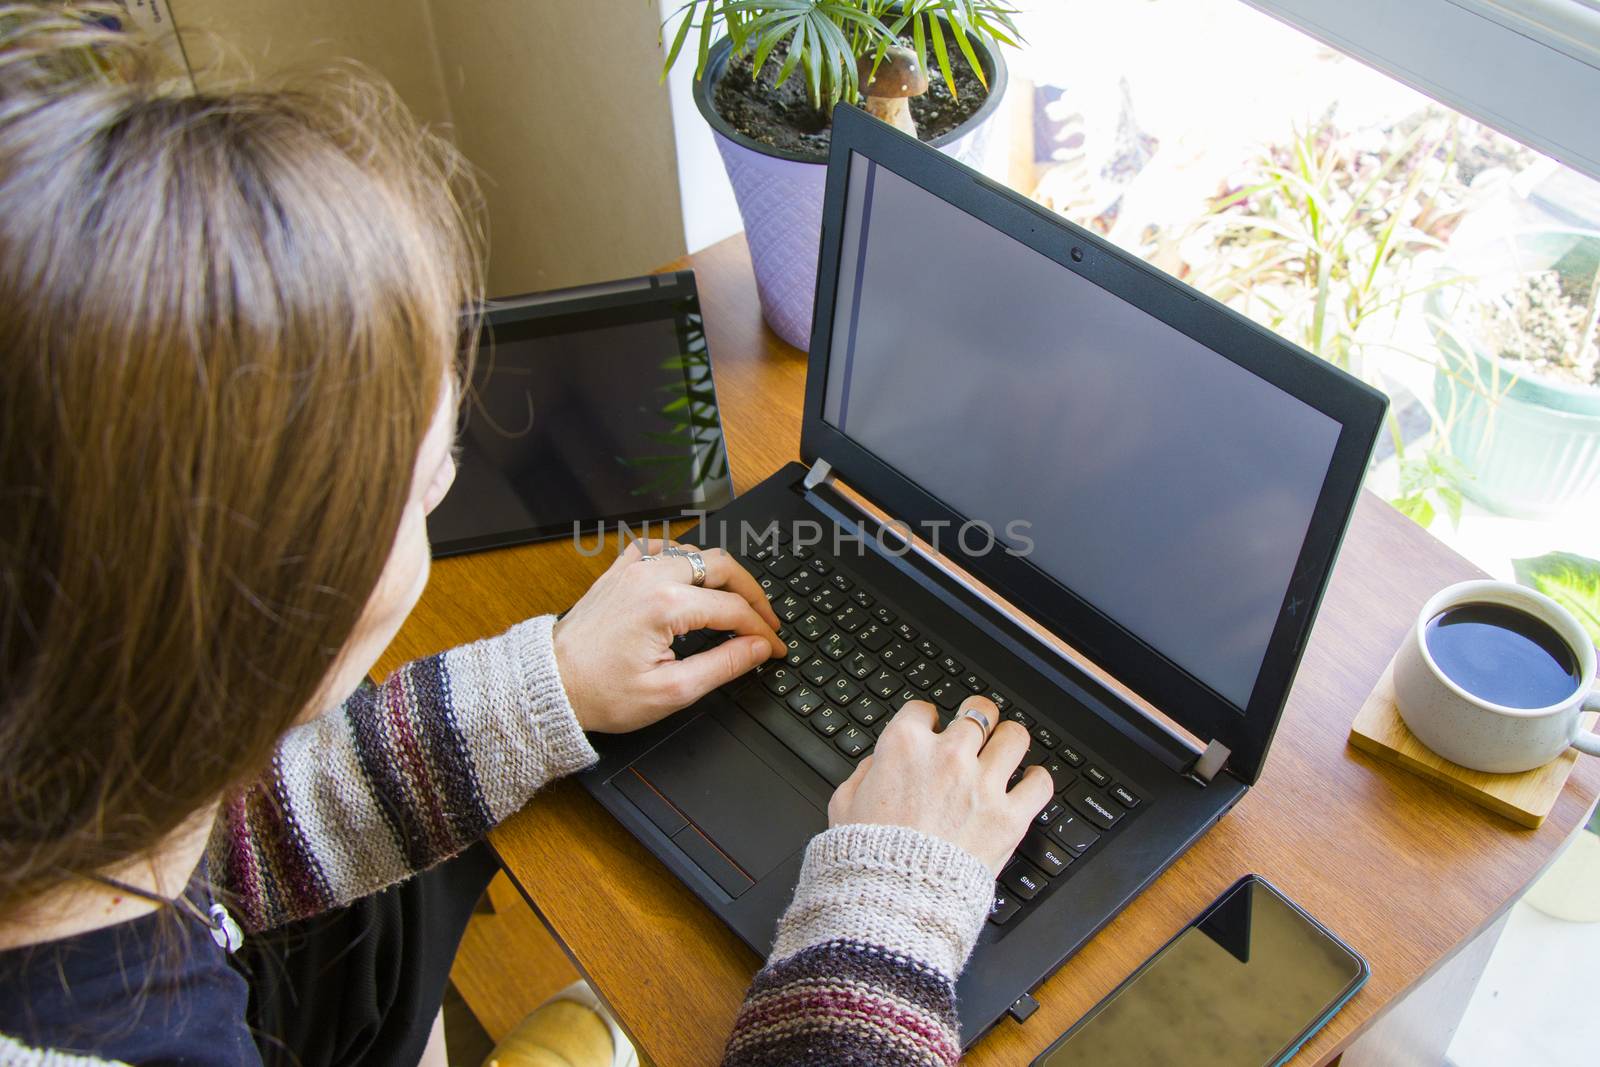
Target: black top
154	990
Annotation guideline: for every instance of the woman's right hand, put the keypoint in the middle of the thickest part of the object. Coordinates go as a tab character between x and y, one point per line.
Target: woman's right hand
950	784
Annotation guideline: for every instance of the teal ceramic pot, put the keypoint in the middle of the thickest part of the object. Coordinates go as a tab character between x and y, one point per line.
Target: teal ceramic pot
1532	444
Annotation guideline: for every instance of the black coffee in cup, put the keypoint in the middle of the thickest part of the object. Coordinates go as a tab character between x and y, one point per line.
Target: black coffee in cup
1503	655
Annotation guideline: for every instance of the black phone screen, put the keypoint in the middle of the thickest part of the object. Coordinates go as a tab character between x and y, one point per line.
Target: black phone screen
1244	984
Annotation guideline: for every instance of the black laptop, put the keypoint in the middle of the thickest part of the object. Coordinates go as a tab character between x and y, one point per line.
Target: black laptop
1141	471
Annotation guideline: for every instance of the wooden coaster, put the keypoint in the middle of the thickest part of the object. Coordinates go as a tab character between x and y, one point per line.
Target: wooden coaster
1524	798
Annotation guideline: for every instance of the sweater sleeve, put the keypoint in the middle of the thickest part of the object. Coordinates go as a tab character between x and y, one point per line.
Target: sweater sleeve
866	958
400	777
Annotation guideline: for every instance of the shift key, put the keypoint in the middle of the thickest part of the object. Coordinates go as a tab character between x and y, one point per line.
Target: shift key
1094	806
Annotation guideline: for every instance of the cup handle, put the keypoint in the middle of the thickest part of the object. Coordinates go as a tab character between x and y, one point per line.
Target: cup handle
1583	740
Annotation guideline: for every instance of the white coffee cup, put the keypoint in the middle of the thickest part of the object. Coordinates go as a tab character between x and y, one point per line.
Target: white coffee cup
1477	733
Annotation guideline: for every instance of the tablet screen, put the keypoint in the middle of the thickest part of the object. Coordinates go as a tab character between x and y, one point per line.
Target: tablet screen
589	406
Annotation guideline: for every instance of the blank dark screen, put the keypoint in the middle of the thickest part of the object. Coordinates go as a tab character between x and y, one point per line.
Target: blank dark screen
575	419
1232	991
1164	484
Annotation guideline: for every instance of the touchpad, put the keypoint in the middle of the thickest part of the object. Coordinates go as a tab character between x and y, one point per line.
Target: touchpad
753	816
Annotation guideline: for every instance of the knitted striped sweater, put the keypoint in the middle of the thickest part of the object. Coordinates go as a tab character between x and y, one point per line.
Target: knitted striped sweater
409	773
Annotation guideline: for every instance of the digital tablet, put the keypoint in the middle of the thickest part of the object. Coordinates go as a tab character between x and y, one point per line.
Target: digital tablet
588	407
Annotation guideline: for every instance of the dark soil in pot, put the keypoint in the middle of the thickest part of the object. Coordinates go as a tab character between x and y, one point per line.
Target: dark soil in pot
782	116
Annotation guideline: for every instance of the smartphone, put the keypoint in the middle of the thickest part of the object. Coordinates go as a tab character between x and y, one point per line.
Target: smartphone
1246	983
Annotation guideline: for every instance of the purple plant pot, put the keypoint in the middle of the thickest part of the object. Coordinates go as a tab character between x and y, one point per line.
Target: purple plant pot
780	196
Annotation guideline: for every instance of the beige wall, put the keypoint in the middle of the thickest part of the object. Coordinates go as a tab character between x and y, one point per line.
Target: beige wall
560	103
557	102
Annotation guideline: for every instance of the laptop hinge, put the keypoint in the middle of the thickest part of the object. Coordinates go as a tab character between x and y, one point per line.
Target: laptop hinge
1212	760
821	473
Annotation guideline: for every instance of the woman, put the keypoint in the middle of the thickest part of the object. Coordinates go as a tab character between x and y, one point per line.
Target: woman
227	335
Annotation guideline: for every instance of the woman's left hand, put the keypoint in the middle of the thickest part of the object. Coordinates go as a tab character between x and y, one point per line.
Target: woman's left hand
614	648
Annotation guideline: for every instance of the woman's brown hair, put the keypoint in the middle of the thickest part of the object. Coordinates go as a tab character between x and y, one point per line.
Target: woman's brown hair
225	319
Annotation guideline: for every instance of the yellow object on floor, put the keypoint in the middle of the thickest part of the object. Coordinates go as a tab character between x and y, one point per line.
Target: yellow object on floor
562	1033
571	1029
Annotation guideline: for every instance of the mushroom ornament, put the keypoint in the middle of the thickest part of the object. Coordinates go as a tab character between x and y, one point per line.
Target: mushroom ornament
889	92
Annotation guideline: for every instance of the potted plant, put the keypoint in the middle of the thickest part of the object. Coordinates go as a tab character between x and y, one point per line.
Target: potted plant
1521	370
767	87
1328	238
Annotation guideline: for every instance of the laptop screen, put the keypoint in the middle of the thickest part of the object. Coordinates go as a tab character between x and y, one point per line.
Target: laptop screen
1165	485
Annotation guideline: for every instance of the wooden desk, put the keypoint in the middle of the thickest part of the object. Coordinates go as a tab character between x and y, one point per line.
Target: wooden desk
1408	874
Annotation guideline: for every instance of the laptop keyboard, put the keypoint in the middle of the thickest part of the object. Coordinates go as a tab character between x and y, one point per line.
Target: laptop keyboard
854	658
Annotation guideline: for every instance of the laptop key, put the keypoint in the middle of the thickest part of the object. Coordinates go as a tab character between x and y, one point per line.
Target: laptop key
1068	751
884	615
868	710
1061	775
779	680
1049	813
1001	701
907	631
1004	907
973	683
819	566
860	666
804	581
1045	737
873	637
827	722
1124	796
827	599
947	695
686	645
929	649
1044	853
841	582
1073	832
799	652
1023	879
1017	715
836	646
862	597
951	665
899	655
782	566
770	585
842	690
789	607
904	697
812	626
1093	805
817	670
852	742
850	618
1096	775
884	683
923	674
805	700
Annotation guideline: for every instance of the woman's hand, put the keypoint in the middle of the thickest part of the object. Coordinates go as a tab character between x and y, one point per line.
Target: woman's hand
951	784
614	648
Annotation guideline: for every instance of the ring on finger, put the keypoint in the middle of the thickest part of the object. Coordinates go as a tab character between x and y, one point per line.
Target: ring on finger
976	716
696	561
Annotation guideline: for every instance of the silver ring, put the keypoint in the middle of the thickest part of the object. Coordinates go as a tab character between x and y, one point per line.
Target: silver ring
695	560
976	716
651	558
